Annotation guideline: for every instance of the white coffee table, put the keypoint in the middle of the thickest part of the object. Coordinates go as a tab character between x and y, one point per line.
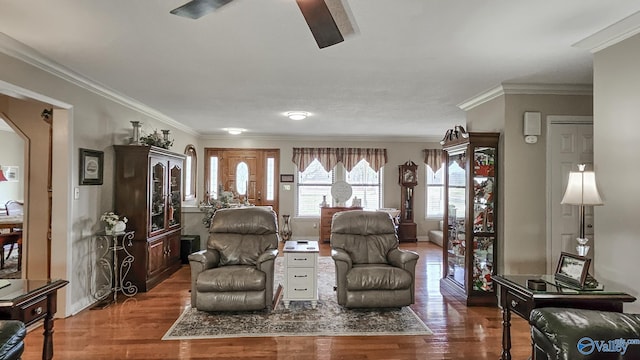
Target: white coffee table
301	272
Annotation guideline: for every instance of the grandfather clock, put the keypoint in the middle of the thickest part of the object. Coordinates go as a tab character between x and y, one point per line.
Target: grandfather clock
408	179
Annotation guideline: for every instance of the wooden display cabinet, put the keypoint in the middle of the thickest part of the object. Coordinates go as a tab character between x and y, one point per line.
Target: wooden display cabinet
326	216
148	191
408	179
470	223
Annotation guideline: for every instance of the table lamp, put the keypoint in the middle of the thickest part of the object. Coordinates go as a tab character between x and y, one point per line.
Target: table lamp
581	191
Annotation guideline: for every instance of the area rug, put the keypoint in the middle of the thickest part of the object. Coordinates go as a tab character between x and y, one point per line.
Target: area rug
328	319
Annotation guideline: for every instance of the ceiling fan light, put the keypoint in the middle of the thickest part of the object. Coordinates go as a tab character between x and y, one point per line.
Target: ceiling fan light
297	115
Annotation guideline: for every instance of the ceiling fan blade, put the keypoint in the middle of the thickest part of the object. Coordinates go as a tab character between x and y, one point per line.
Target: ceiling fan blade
196	9
320	21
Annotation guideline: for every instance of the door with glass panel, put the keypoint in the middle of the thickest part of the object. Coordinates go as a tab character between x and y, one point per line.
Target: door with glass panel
250	173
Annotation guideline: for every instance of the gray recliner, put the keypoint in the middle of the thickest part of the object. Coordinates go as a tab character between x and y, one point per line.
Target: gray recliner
371	271
235	272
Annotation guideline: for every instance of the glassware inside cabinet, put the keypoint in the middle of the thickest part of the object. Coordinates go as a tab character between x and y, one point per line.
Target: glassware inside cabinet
157	197
456	217
483	263
176	197
484	189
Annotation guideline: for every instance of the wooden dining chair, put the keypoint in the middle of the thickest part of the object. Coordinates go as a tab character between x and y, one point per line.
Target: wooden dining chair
13	238
13	208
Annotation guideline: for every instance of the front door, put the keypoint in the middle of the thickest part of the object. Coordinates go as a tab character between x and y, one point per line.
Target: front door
570	143
250	173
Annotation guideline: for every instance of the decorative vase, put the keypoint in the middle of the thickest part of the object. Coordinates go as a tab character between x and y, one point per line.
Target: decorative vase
135	140
285	232
165	135
108	230
324	201
120	226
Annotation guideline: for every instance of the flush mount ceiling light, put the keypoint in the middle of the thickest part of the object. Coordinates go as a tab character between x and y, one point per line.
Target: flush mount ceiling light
234	131
297	115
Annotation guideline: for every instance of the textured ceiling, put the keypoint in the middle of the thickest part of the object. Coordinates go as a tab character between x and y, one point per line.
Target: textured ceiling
401	75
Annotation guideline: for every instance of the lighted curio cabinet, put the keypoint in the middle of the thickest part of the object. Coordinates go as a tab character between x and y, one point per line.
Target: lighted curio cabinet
471	243
148	191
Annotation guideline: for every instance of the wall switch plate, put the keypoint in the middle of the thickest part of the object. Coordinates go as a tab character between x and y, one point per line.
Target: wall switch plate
76	193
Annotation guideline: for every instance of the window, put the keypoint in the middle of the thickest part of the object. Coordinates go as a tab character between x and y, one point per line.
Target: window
315	182
366	185
435	193
190	173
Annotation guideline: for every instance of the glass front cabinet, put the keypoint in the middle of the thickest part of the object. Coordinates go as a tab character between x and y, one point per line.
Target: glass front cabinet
148	191
470	220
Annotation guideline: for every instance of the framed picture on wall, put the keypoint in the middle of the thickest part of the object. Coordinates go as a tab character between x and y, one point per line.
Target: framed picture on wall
11	173
91	167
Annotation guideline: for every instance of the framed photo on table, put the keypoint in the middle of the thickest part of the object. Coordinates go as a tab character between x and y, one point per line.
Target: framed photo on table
572	269
91	167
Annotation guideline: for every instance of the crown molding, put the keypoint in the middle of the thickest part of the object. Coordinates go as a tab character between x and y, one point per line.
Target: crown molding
526	89
22	52
343	138
611	35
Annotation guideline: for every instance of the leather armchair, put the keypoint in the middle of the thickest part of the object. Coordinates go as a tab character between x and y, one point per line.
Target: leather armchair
371	271
12	333
235	272
567	334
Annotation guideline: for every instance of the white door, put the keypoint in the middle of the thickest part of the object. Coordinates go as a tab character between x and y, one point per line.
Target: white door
570	142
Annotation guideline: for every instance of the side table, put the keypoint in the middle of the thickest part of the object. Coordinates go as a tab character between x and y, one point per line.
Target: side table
517	298
114	269
301	272
30	301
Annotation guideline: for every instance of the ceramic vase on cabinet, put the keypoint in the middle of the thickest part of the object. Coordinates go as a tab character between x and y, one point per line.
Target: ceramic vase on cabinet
285	231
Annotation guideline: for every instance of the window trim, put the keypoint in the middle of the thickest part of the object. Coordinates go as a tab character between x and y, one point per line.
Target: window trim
190	151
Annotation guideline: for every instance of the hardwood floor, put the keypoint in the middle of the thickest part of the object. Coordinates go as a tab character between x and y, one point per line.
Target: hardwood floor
132	330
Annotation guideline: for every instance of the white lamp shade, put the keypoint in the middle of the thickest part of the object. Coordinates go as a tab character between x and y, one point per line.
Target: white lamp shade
582	189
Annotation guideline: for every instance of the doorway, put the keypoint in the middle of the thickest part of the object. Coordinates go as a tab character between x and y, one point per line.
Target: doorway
570	142
12	195
251	174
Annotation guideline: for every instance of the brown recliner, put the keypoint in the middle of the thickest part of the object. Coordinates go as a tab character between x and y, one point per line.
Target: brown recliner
235	272
371	271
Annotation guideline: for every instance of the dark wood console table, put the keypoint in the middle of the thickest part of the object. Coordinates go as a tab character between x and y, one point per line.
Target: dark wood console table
516	297
30	301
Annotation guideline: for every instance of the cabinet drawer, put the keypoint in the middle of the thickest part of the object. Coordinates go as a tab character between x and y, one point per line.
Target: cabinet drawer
301	260
518	305
34	310
300	276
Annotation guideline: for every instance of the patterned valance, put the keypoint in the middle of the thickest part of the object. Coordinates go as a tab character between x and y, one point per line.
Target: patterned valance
329	157
433	158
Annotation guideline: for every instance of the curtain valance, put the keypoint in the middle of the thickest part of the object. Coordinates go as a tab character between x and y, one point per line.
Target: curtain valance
329	157
433	158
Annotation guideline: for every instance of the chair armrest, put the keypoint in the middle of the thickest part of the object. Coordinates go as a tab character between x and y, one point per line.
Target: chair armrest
199	262
206	259
343	265
266	256
341	255
266	263
556	332
403	259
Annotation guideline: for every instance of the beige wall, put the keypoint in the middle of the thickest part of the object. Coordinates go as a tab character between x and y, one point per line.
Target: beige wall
397	153
522	197
616	126
95	122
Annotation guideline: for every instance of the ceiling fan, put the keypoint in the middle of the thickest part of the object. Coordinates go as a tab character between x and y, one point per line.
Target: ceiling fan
328	20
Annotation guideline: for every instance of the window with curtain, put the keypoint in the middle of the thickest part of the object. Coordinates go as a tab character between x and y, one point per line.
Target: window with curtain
360	167
434	175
